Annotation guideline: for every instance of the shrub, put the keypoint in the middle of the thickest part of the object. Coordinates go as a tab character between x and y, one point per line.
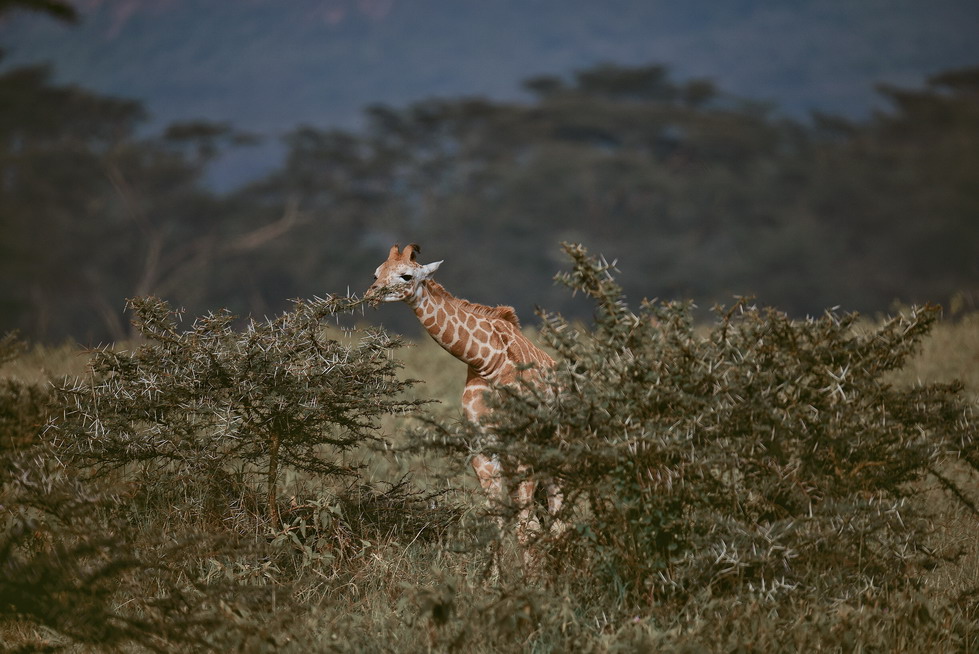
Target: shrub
761	459
72	574
211	401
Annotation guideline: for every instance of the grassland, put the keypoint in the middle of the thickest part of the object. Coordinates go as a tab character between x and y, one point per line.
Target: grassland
401	558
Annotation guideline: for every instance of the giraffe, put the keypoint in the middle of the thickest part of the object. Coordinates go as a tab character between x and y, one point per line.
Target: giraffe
488	340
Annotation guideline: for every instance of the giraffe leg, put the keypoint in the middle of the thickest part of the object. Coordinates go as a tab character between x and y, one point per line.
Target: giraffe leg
527	524
489	473
528	527
555	501
488	470
555	498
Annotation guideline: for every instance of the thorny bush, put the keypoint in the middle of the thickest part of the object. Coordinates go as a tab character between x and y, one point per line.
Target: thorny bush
72	574
208	402
761	459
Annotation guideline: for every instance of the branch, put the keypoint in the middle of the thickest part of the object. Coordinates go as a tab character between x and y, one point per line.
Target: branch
950	486
259	237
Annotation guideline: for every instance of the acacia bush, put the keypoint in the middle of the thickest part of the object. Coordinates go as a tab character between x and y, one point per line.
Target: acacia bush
75	573
759	461
217	405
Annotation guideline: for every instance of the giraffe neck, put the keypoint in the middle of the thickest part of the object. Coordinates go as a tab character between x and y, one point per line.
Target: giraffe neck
466	334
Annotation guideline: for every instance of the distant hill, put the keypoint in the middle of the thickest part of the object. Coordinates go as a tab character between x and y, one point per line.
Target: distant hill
267	66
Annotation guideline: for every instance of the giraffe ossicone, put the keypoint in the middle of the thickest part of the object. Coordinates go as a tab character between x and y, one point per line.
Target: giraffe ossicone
487	339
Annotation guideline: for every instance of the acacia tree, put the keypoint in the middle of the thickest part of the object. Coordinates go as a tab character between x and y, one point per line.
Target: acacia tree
280	392
762	459
75	575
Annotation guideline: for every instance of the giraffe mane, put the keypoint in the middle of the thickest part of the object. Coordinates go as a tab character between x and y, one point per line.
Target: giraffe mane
502	312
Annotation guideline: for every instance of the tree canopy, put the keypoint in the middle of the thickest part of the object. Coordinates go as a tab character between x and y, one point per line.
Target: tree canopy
706	196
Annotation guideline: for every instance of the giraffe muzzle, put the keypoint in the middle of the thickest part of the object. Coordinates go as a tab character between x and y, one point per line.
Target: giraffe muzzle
377	294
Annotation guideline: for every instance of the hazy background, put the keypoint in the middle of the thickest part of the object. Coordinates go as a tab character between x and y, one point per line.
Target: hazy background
240	153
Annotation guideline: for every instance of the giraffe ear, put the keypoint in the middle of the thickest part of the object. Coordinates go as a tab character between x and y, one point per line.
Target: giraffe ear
427	271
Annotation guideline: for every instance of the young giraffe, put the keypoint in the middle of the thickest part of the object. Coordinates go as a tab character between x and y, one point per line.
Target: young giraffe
487	339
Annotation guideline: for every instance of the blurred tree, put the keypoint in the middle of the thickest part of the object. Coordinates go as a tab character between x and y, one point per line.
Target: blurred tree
90	214
53	194
902	193
705	194
55	8
205	139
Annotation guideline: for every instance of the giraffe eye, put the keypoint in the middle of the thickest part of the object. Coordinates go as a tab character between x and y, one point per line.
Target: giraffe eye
407	278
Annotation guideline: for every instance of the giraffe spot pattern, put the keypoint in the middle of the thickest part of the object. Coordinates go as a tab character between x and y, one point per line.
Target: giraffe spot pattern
472	348
489	340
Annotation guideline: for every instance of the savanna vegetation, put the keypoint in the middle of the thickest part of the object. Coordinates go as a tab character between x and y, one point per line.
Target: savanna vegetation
743	480
754	483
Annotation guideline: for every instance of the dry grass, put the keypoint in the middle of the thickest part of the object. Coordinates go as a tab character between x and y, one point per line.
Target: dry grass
951	352
40	364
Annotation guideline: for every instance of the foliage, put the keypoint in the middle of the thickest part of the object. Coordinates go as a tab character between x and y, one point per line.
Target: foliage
369	562
74	573
763	459
208	401
704	197
66	566
704	194
54	8
75	171
123	561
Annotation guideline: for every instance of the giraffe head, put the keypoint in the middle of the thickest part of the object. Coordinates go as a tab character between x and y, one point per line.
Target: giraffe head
400	277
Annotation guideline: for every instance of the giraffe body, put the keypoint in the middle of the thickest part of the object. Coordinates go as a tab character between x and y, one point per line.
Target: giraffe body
487	339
